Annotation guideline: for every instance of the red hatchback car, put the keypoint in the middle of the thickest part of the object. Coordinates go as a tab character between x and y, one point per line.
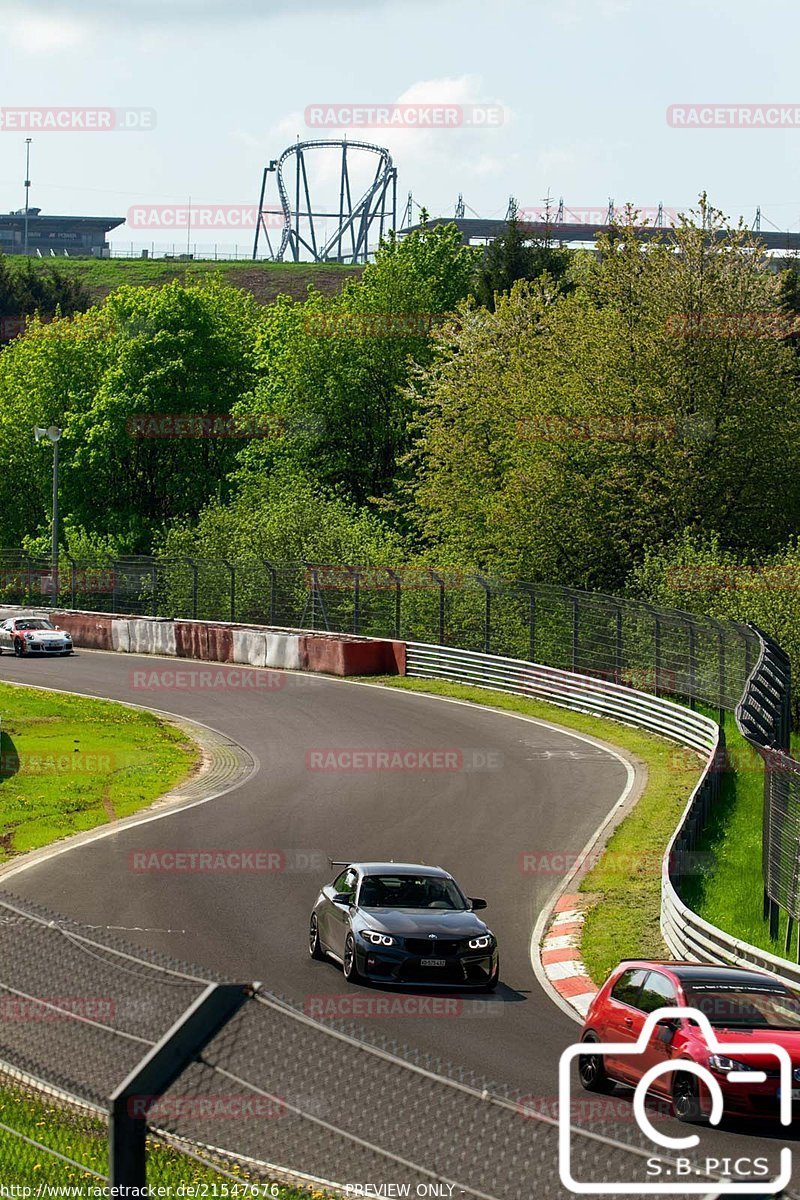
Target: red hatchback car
741	1006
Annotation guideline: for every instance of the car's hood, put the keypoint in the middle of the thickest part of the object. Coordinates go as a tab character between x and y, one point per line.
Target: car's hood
416	922
788	1038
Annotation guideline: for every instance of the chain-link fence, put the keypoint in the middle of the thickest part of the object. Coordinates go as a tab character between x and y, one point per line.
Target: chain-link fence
666	652
277	1100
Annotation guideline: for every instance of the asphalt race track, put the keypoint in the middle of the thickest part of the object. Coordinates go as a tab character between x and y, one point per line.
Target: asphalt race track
542	790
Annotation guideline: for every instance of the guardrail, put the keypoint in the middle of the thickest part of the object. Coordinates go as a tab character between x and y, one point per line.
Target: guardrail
685	932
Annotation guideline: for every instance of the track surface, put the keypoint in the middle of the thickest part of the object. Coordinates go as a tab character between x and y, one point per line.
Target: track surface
547	792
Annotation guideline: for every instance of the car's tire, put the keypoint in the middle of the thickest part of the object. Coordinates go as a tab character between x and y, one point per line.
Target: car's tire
19	647
314	944
686	1098
350	965
592	1070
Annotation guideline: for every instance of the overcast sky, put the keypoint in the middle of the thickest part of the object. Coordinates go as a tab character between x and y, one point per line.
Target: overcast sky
582	89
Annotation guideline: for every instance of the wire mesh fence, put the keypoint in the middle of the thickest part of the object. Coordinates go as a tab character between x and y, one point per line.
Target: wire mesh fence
279	1103
625	641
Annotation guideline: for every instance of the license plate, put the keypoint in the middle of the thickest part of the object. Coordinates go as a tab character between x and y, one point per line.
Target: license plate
433	962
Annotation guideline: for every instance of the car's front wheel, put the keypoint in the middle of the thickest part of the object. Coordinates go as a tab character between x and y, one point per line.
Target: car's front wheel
19	647
350	965
314	944
686	1097
592	1070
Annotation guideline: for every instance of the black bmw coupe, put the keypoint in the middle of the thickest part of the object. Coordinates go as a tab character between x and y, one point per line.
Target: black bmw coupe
401	923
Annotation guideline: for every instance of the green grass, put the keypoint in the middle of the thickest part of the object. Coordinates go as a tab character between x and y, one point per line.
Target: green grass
68	764
265	280
83	1138
728	893
623	922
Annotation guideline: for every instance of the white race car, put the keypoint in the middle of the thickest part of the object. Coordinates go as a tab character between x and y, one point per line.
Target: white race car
33	635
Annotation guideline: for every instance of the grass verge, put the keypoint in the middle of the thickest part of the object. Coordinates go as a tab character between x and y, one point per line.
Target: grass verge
68	764
728	890
82	1137
625	884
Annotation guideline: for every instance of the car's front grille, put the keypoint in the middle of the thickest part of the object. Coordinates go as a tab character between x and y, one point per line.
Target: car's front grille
433	947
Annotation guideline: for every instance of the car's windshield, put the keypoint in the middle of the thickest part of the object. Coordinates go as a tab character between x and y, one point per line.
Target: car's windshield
745	1005
410	891
33	623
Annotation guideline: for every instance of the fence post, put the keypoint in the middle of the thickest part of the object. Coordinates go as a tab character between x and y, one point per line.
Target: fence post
618	646
397	601
193	566
72	579
532	623
273	578
154	579
487	613
575	631
657	653
356	598
721	636
157	1071
440	581
692	665
232	568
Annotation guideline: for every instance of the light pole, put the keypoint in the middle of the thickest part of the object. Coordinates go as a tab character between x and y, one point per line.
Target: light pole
27	186
52	434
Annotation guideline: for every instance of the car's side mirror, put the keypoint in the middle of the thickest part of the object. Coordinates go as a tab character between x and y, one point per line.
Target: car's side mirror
666	1030
342	898
477	902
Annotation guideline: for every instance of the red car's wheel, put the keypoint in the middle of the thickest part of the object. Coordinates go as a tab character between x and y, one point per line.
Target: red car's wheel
686	1097
592	1070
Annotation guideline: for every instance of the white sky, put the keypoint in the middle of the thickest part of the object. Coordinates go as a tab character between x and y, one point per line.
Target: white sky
584	86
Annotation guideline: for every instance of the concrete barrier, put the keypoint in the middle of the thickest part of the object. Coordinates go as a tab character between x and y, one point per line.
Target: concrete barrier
208	641
90	630
350	656
284	650
250	647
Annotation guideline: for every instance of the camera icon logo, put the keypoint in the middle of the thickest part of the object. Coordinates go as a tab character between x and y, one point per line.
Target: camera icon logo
663	1140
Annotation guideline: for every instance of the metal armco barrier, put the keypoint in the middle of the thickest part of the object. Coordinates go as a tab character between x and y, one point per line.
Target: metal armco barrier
684	931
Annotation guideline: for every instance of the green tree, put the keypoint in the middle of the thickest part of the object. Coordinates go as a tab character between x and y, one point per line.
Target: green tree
520	252
563	435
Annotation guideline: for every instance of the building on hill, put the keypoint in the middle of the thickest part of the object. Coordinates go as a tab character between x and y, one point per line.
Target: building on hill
78	237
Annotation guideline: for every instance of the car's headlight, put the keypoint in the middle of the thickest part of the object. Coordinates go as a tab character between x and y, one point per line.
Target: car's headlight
723	1064
30	637
481	943
377	939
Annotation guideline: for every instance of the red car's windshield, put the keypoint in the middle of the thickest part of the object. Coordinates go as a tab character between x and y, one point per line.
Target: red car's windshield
745	1006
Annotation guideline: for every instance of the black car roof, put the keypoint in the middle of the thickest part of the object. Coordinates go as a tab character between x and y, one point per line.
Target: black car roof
698	973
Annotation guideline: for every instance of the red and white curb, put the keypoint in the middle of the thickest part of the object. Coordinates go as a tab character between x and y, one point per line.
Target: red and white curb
561	956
